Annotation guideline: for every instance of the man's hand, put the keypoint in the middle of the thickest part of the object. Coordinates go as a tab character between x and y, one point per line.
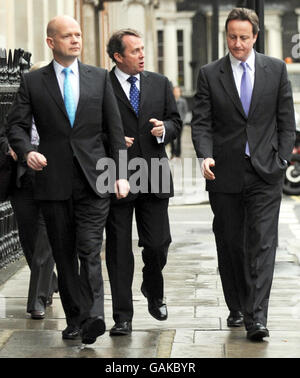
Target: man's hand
13	154
122	188
158	127
205	167
36	161
129	141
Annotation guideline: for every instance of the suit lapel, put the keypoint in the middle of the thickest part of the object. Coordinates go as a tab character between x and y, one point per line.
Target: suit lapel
84	82
259	82
118	90
144	89
228	83
51	84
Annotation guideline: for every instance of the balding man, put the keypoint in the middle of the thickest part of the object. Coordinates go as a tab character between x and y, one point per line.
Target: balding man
71	102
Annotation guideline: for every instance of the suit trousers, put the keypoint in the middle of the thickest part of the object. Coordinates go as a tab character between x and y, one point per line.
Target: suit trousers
35	244
153	228
75	229
246	232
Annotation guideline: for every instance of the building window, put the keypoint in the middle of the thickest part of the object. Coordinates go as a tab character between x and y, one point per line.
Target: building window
160	49
180	54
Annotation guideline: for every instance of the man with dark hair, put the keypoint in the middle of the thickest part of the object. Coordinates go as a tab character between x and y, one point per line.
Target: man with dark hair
243	128
150	120
116	44
244	14
73	104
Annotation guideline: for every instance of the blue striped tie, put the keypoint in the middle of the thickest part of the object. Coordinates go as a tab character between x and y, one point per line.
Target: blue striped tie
68	96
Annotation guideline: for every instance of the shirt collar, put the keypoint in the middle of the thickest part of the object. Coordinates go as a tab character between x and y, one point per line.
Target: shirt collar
122	76
250	61
59	68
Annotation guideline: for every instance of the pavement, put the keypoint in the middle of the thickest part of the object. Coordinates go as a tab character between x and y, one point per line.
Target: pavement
196	327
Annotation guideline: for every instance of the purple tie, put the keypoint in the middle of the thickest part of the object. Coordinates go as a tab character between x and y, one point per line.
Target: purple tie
246	94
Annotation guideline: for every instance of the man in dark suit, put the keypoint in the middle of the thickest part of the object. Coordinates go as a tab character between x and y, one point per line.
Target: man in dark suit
32	233
244	128
150	120
70	103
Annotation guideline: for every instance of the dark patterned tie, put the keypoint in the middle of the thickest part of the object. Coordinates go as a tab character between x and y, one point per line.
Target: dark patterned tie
134	94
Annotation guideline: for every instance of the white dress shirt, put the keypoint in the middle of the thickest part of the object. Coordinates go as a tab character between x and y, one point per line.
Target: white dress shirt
74	79
35	138
122	77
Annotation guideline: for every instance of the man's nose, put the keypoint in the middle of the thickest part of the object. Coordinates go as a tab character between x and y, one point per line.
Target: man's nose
75	39
238	42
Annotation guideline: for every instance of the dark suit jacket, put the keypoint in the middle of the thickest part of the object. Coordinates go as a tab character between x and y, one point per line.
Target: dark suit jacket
7	167
3	140
39	96
220	127
156	101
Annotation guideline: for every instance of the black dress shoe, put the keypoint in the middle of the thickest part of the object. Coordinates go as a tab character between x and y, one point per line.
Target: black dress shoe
120	329
156	307
91	329
37	315
71	333
257	332
235	319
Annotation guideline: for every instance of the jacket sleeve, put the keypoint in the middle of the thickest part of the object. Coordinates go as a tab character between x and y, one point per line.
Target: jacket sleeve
286	122
172	120
4	146
20	121
202	119
114	132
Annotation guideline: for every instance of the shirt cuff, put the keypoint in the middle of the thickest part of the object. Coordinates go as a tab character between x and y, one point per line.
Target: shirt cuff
162	138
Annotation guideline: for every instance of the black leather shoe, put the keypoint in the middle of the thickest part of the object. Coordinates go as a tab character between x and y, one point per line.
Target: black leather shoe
120	329
91	329
71	333
257	332
37	315
156	307
235	319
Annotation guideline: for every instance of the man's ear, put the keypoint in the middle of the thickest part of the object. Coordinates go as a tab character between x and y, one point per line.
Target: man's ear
50	43
118	57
